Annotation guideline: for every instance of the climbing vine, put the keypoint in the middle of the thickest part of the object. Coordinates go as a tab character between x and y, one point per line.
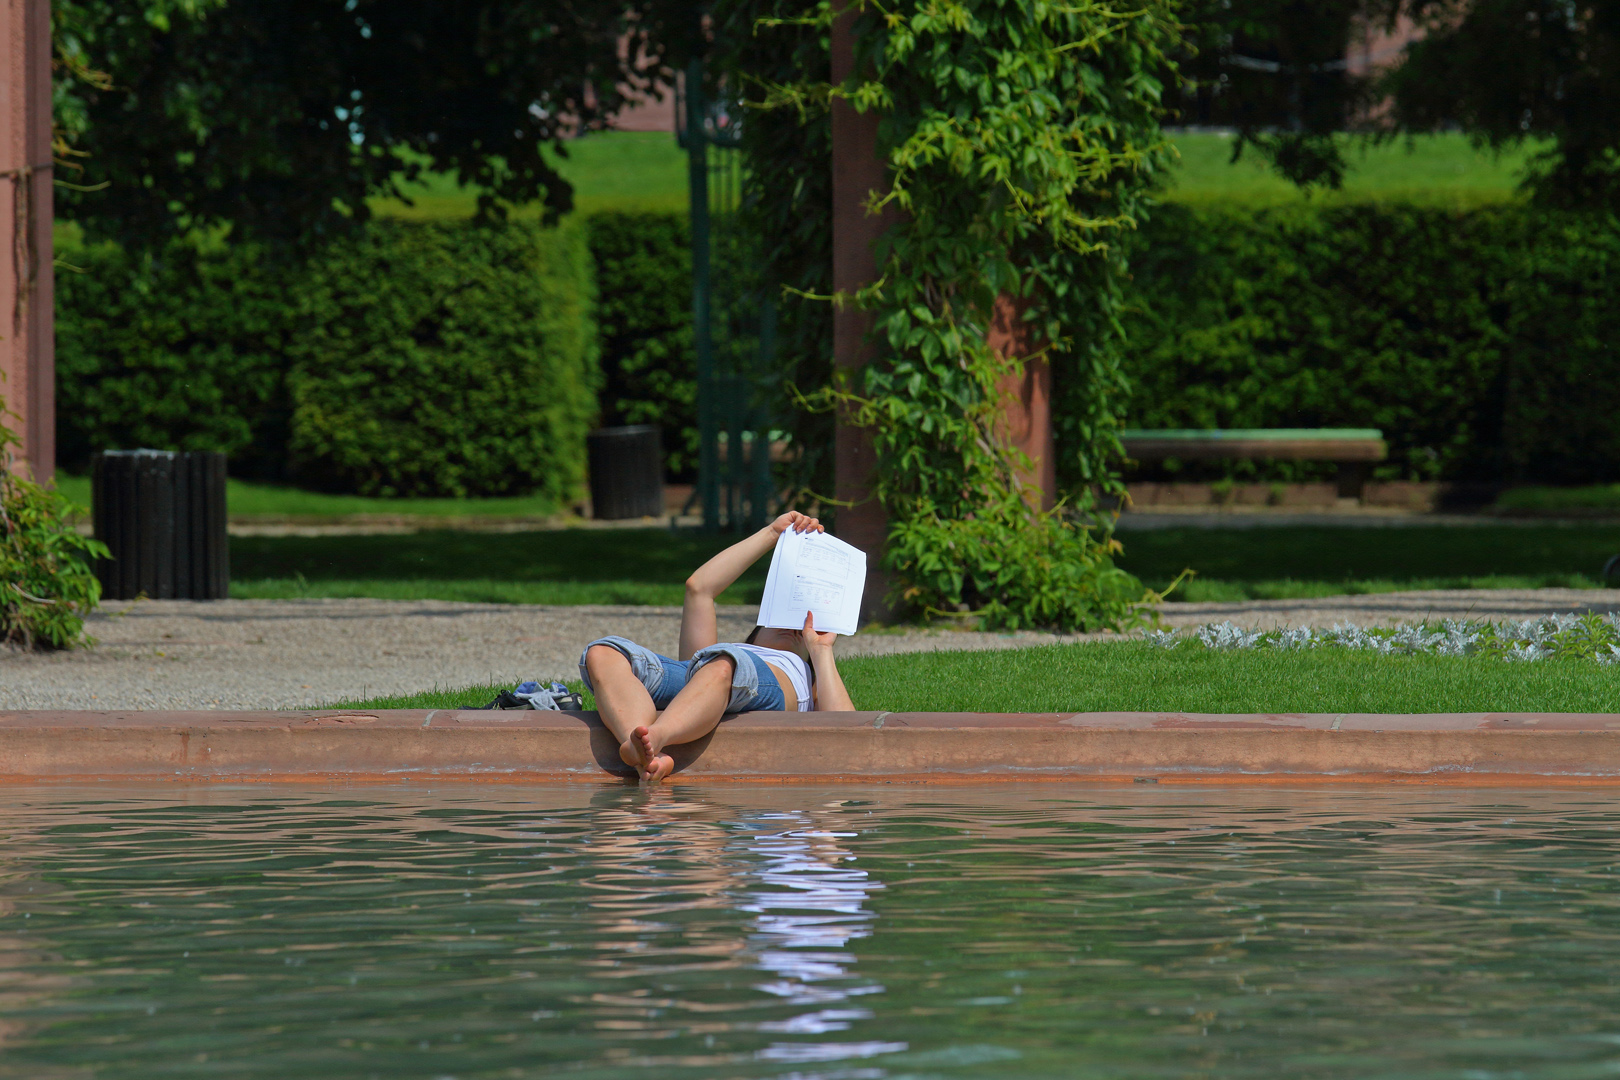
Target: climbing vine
1021	137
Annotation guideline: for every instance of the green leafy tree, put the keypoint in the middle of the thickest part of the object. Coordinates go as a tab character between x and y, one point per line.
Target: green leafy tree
1275	71
1503	71
281	117
1510	70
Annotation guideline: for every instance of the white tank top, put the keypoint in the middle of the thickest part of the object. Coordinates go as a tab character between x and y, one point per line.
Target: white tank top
790	664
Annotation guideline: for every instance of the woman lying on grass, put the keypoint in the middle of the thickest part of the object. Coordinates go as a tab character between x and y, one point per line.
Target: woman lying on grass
782	670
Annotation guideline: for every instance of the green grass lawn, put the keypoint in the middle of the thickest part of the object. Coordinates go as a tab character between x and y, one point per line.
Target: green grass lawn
1434	168
629	170
1283	562
610	170
648	566
245	499
1554	500
559	566
1135	677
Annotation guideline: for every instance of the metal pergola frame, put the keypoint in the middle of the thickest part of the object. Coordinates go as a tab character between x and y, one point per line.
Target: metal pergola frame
735	366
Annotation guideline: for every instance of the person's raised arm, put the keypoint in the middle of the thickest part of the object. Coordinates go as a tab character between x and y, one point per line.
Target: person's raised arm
830	693
700	626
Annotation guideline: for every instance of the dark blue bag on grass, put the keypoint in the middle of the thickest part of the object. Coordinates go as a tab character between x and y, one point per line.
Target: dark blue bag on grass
531	695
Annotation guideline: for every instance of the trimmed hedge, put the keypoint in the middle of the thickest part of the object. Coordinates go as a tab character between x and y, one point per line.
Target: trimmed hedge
415	359
183	352
444	360
644	314
1478	339
1481	341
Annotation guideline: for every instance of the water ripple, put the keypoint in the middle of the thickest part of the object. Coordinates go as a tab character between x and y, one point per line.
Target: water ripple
808	933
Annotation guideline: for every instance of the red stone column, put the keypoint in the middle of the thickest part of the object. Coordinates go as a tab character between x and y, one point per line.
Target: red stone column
1027	399
857	171
27	325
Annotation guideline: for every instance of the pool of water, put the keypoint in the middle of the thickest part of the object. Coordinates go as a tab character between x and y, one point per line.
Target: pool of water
853	933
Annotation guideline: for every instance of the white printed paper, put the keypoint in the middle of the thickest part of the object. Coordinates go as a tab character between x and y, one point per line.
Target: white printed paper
816	573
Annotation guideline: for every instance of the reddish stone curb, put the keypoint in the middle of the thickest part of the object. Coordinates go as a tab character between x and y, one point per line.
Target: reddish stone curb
405	744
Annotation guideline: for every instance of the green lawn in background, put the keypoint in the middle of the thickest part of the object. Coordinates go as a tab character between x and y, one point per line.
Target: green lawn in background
556	566
648	566
1280	562
610	170
1134	676
481	590
1604	497
245	499
632	170
1433	168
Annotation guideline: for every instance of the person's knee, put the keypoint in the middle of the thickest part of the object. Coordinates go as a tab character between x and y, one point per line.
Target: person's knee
605	659
722	666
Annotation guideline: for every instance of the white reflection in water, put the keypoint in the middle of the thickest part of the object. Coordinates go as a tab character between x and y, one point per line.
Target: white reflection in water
806	1052
810	903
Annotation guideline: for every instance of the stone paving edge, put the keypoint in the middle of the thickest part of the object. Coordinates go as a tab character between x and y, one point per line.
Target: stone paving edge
437	745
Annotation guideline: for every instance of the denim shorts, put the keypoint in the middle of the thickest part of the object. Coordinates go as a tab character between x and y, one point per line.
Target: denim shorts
753	682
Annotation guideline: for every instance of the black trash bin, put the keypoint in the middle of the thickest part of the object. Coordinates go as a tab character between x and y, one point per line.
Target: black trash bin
162	514
627	472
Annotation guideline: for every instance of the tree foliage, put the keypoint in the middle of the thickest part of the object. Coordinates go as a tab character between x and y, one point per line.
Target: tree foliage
1510	70
281	117
1503	71
1275	71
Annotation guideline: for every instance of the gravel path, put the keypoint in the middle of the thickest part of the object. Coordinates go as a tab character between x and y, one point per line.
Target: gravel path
258	654
272	654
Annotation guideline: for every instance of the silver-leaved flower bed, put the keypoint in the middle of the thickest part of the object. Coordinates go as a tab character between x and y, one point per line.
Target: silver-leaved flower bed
1551	637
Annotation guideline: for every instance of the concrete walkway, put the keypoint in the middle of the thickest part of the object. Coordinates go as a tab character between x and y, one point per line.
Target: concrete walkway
275	654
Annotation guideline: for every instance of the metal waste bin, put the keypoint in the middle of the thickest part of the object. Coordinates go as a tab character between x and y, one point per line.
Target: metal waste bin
627	472
162	514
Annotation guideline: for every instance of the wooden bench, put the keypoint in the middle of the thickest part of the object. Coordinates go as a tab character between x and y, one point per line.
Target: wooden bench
1354	449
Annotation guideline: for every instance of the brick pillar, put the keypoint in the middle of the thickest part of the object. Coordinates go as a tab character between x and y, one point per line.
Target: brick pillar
857	171
27	355
1027	399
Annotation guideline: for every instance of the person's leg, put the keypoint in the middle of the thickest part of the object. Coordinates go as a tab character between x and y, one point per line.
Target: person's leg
694	713
622	699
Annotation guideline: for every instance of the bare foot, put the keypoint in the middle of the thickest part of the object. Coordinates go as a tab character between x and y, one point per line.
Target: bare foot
662	765
633	750
655	764
650	763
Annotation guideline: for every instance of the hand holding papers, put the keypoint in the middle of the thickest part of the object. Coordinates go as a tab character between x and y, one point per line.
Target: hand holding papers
816	573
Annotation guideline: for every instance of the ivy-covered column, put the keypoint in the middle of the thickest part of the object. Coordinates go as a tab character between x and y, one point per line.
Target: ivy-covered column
1016	140
857	179
1026	421
27	371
